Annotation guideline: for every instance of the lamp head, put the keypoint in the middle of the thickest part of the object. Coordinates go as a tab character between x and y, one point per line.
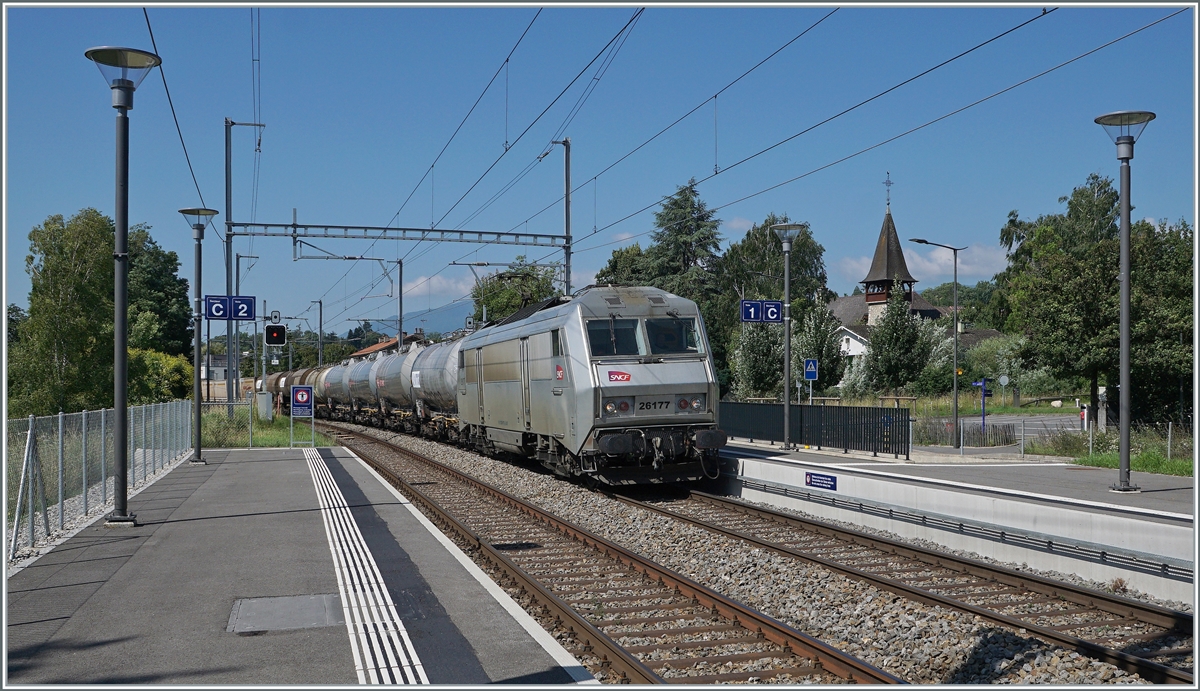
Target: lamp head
788	232
198	217
919	240
123	67
1125	123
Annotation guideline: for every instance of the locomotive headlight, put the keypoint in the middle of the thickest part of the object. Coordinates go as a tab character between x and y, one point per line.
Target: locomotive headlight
610	407
697	403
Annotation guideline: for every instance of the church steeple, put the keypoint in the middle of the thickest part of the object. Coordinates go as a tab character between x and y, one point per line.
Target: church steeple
888	265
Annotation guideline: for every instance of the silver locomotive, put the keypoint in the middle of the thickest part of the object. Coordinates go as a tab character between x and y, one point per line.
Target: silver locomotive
614	383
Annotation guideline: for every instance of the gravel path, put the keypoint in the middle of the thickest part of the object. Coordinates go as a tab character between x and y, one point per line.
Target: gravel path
920	643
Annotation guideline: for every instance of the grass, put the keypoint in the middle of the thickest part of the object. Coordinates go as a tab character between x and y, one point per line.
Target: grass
221	431
1147	449
968	404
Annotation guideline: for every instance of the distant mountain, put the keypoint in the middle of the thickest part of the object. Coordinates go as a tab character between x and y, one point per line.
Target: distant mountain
442	319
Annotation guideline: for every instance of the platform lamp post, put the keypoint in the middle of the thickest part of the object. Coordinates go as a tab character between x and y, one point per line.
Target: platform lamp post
123	69
955	250
198	218
1124	127
787	232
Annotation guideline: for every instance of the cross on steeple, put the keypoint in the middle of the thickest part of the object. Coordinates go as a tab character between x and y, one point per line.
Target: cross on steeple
888	183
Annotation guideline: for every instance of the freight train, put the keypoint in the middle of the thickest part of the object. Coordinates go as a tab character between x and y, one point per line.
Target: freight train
613	384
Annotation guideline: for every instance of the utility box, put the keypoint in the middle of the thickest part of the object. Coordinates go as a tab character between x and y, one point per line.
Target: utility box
262	400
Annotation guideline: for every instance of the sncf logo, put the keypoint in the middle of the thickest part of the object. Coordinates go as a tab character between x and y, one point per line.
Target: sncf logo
614	375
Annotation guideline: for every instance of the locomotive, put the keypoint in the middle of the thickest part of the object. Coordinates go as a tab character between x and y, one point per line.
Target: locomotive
614	384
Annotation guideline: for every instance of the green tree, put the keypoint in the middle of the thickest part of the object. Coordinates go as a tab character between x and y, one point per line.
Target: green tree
1161	341
63	355
752	269
156	288
1062	288
816	337
505	292
896	353
15	316
155	377
972	301
756	361
626	266
685	245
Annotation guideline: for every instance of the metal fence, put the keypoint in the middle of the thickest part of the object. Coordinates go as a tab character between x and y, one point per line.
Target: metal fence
226	425
59	468
861	428
940	432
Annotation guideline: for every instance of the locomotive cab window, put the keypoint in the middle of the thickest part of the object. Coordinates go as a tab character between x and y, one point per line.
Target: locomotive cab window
614	337
673	336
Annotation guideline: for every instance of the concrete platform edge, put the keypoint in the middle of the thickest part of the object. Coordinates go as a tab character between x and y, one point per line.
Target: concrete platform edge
566	660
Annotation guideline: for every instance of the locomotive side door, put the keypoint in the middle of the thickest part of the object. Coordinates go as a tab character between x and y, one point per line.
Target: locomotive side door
525	379
479	380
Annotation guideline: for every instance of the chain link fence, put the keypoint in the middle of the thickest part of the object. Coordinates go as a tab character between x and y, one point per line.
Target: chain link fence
226	425
60	468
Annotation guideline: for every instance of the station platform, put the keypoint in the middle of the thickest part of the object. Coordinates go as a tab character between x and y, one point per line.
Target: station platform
1041	511
269	567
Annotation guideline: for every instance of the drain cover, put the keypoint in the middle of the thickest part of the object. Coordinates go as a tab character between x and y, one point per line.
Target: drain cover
262	614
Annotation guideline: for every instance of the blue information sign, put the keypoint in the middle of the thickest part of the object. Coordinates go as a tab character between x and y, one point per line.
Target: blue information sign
241	307
810	369
302	401
820	481
773	311
752	310
216	307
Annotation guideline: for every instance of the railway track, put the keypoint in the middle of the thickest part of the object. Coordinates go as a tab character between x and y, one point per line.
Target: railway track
1152	641
635	620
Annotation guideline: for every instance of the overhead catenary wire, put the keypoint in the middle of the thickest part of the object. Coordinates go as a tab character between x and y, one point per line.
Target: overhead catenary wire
895	137
175	117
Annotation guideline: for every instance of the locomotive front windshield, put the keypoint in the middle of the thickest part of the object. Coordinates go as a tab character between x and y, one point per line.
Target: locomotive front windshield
613	337
673	336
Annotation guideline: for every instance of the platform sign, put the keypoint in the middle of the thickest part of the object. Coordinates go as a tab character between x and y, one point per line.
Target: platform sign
302	407
227	307
773	311
216	307
821	481
241	307
302	401
752	310
810	369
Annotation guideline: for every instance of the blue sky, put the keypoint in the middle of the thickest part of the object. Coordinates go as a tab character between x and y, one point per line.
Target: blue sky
358	103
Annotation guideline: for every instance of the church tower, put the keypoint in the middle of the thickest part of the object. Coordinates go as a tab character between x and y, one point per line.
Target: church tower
887	267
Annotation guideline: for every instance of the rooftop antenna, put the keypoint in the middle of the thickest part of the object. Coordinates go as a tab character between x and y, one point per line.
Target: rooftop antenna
888	183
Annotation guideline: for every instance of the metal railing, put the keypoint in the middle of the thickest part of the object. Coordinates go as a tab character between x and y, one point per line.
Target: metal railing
60	468
861	428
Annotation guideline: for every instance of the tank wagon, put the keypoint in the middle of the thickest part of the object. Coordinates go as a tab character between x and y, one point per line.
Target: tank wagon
614	383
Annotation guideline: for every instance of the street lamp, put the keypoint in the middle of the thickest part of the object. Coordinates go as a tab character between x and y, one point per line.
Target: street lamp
198	219
787	232
1124	127
955	251
123	69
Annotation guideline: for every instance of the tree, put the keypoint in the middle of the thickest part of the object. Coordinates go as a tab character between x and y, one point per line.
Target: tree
155	377
686	245
505	292
16	315
816	337
896	353
1062	286
1163	351
626	266
972	301
752	268
64	352
156	288
755	361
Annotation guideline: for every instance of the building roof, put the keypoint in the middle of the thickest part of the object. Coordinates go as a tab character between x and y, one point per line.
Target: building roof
382	345
852	309
971	337
888	263
862	331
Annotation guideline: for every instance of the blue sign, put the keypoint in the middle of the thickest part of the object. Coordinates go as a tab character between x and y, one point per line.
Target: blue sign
821	481
810	369
752	310
241	307
216	307
773	311
302	401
